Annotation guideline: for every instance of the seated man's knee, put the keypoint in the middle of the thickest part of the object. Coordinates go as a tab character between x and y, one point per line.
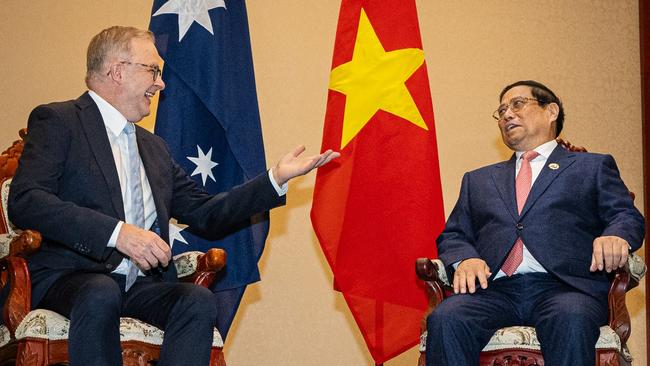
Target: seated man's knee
576	320
199	302
442	318
575	316
98	297
100	290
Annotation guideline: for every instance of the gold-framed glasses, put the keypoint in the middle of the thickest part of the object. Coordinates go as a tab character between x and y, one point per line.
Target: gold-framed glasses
515	105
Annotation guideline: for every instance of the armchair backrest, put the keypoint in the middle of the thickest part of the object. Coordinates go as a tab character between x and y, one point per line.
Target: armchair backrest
8	165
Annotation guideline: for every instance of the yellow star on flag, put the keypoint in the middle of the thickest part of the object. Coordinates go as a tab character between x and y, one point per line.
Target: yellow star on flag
375	79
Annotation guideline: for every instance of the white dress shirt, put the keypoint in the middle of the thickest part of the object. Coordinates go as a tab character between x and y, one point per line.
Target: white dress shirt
115	123
529	264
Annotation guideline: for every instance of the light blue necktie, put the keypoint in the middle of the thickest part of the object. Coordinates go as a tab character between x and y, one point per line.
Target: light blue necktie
135	187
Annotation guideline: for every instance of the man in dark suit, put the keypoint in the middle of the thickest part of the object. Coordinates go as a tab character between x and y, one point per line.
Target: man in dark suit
102	191
539	233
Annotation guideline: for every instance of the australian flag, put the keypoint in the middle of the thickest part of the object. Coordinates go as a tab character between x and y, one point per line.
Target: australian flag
209	116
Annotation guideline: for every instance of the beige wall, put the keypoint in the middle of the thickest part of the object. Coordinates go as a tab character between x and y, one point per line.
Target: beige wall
586	50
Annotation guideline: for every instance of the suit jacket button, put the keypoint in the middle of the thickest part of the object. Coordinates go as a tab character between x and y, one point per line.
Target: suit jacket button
520	226
109	266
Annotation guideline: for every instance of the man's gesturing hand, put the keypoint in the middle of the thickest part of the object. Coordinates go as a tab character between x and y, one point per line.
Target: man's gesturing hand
144	247
291	165
466	274
610	253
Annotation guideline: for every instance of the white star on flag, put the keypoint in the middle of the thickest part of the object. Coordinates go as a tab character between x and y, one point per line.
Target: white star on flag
204	164
175	233
190	11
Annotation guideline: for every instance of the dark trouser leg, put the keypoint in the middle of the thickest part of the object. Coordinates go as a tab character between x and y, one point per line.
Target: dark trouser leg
92	302
186	312
463	324
568	326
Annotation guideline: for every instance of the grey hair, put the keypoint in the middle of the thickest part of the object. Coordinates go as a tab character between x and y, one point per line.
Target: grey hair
111	41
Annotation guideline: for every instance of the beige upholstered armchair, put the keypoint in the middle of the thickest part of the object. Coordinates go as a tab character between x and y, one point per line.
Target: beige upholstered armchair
519	345
35	337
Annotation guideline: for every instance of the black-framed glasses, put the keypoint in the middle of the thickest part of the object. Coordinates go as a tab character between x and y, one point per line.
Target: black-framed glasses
515	105
153	69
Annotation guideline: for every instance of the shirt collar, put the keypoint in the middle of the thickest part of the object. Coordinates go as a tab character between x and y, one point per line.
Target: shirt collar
113	119
544	149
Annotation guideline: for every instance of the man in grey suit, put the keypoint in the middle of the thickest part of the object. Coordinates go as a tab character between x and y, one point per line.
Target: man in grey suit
101	193
539	245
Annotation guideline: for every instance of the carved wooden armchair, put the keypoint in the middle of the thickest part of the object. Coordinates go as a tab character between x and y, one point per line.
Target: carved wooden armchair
519	345
35	337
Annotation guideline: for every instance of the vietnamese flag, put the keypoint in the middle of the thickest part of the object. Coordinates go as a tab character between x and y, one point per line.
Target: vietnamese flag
379	206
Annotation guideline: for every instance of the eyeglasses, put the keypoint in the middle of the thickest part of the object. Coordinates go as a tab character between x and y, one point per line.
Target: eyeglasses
515	104
153	69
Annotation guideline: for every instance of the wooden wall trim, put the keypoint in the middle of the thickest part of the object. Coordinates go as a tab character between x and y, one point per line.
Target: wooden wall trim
644	39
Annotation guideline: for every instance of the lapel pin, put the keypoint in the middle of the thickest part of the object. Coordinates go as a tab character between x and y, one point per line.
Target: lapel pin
554	166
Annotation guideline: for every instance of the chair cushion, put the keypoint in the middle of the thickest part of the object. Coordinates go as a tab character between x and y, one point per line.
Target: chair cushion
5	336
526	338
46	324
4	198
442	273
5	244
637	266
186	263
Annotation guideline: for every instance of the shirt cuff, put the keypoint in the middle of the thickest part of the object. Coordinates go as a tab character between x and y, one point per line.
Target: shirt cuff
281	190
112	241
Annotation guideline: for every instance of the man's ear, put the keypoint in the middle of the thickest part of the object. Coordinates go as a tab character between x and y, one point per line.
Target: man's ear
552	110
115	72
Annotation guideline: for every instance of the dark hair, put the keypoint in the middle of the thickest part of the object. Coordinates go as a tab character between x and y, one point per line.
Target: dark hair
544	96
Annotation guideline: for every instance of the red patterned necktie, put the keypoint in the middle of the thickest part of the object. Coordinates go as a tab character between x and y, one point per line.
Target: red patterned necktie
522	186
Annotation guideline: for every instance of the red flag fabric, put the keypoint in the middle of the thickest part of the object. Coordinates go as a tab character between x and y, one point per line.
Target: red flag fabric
379	206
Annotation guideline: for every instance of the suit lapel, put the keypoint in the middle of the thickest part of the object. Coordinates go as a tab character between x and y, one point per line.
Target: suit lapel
560	159
148	157
95	131
503	176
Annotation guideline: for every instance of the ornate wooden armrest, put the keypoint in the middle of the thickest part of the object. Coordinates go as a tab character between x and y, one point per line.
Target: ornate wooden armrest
432	270
16	276
26	243
20	244
18	302
624	279
433	273
200	268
